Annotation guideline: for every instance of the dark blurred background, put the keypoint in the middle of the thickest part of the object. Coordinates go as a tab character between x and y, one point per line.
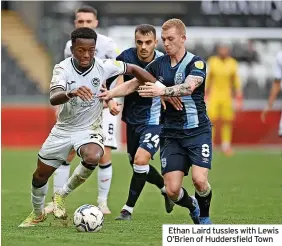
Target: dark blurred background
34	35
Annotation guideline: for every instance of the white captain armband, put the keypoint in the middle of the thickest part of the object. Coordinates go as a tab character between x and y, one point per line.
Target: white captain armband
119	100
159	84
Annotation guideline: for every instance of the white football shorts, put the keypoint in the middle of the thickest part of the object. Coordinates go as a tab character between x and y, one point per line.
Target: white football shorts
58	145
109	129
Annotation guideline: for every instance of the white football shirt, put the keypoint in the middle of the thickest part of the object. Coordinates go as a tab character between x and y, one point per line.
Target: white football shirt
106	48
77	114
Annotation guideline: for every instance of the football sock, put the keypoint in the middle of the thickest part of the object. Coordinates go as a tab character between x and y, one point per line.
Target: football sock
80	174
184	200
137	184
38	193
155	178
204	200
105	173
61	176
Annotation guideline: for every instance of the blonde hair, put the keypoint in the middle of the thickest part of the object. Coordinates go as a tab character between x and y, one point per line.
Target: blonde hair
177	23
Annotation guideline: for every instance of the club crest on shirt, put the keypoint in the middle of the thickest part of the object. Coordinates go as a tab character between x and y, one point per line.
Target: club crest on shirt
178	78
164	163
199	64
95	82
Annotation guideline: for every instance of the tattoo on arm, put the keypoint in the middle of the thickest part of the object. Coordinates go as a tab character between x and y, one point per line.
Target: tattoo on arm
185	89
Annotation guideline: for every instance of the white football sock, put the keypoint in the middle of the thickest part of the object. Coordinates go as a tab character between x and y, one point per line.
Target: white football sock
61	176
104	181
38	198
127	208
80	174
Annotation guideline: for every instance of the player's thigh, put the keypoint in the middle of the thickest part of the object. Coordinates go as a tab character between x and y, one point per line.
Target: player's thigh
199	148
55	149
132	142
173	157
88	139
109	129
227	111
149	142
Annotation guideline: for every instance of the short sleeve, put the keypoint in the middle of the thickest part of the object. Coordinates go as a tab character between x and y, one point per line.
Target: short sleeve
109	81
112	51
59	78
67	51
113	68
198	68
278	67
121	57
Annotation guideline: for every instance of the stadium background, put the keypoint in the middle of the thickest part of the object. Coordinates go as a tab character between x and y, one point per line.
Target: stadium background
246	186
34	35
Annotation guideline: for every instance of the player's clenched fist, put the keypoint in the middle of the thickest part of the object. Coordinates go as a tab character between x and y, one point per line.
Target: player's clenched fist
105	94
83	92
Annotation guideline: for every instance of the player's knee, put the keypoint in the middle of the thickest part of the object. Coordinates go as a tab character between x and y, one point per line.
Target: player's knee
173	191
92	159
39	180
40	175
141	160
200	183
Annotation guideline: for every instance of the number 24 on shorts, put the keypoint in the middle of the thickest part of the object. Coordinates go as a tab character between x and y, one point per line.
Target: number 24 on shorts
155	139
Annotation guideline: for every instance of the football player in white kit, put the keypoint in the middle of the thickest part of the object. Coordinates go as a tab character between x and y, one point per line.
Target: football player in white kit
276	87
75	86
105	49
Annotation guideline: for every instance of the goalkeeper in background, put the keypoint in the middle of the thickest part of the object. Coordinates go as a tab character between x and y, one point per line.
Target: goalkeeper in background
222	84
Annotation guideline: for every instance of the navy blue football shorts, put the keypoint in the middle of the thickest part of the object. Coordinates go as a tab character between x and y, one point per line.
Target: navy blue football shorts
146	137
179	154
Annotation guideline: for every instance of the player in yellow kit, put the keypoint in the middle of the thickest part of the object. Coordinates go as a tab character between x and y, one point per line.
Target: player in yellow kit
222	84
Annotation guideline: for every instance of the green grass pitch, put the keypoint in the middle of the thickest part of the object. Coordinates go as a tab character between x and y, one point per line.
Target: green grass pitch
246	190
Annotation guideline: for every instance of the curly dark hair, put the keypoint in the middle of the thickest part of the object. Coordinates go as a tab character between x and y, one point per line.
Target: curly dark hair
83	32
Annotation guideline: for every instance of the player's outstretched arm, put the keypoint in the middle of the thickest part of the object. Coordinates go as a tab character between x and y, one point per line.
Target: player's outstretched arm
141	74
122	90
158	89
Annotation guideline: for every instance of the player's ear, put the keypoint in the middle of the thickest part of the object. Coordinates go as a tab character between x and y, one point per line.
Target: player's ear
71	48
183	37
97	22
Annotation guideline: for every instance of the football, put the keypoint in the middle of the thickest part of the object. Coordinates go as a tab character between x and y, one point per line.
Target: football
88	218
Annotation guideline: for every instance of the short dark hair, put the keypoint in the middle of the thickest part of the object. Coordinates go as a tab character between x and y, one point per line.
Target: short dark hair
83	32
87	9
145	29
